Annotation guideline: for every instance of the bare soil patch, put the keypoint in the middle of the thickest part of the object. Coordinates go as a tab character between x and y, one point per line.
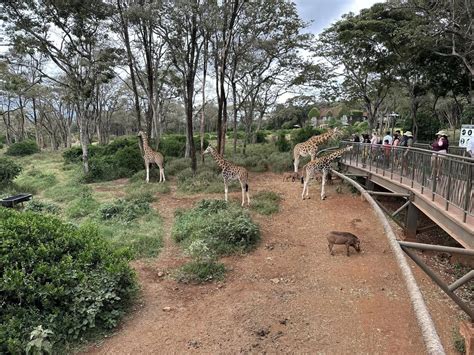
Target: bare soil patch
289	294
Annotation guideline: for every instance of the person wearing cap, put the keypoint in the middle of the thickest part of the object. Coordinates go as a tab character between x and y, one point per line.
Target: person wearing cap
439	146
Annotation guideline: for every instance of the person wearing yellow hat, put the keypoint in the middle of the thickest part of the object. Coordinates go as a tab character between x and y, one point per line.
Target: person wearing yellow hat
439	146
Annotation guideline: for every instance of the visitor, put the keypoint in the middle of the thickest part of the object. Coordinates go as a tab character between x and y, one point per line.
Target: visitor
388	137
470	147
440	147
365	138
406	141
387	147
355	138
396	139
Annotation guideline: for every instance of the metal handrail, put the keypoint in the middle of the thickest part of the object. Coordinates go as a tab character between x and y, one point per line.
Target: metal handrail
445	176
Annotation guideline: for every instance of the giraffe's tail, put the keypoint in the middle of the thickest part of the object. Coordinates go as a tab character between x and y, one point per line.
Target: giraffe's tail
302	179
246	187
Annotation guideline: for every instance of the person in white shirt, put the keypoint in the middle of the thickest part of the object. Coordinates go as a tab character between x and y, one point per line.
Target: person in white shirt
470	147
388	137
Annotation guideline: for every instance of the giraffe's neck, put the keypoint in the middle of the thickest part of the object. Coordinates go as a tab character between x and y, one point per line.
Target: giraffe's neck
220	161
336	154
323	137
146	147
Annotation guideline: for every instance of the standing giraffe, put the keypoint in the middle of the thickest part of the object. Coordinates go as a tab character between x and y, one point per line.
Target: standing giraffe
231	171
322	164
310	147
150	157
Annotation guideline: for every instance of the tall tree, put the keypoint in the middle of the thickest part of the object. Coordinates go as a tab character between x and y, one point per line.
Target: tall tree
72	35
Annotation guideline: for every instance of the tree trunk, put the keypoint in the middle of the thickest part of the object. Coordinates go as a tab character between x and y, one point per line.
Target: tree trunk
234	110
126	37
202	120
189	124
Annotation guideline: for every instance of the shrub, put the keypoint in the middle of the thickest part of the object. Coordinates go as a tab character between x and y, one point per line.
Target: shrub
282	143
1	145
35	180
43	207
9	170
280	162
200	272
174	145
124	210
26	147
83	206
303	134
63	278
74	154
266	202
203	267
225	228
260	137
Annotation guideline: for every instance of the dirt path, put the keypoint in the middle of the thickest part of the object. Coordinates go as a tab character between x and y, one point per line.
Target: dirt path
289	295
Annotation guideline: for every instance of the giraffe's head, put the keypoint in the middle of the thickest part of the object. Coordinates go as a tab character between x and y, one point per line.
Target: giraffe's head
209	149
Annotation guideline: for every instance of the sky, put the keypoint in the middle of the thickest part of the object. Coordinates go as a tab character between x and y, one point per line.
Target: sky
325	12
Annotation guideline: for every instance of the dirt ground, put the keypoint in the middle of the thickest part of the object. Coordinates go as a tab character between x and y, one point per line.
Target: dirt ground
287	296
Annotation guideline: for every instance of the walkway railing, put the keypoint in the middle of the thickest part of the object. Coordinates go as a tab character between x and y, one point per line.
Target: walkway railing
454	150
444	176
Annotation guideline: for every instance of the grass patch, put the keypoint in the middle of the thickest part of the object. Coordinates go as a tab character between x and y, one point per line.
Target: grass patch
195	272
225	228
140	187
143	237
82	206
459	343
42	207
266	202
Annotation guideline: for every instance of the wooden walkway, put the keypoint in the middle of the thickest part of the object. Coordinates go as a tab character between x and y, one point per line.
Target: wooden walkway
440	186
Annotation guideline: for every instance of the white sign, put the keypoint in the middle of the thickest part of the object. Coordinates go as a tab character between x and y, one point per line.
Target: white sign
467	133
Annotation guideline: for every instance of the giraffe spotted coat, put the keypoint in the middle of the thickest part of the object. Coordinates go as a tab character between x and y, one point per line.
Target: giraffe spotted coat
322	164
230	172
151	157
310	147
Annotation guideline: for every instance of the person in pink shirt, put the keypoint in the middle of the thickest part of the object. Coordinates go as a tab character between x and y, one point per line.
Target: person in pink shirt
439	146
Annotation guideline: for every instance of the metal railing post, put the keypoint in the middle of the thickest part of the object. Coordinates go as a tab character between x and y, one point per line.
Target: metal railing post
448	192
468	192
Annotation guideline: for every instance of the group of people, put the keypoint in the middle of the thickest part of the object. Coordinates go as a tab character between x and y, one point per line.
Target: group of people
405	140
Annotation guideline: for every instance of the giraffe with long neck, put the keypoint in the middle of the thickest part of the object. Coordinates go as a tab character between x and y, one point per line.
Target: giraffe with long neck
230	172
322	164
151	157
311	146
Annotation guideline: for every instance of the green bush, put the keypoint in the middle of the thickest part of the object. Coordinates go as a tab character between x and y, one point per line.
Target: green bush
195	272
1	145
66	279
74	154
26	147
282	143
225	228
83	206
9	170
43	207
174	145
303	134
266	202
124	210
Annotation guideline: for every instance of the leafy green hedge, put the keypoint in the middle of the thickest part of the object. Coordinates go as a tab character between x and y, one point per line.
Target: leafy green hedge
174	145
9	170
26	147
226	228
303	134
64	278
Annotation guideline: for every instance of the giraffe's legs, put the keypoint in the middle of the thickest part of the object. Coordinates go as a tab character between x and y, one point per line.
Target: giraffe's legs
162	173
306	185
147	168
296	162
323	183
243	193
248	195
226	190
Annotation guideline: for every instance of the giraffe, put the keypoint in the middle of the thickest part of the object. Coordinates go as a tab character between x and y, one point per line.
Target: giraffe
310	147
150	157
322	164
231	171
